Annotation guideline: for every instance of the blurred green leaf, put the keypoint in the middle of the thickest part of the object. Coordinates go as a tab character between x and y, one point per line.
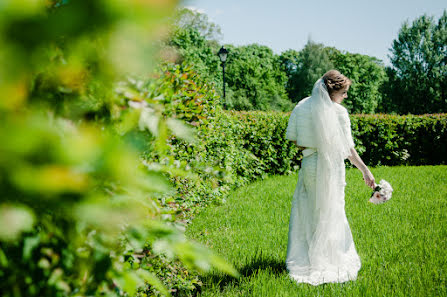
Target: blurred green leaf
153	281
180	130
15	219
30	243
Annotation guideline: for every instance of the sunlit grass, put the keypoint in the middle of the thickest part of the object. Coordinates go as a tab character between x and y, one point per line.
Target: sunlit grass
402	243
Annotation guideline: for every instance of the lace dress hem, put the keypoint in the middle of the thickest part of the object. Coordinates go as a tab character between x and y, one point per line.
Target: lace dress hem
309	275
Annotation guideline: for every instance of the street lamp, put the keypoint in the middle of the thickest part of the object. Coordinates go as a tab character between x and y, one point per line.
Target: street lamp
223	54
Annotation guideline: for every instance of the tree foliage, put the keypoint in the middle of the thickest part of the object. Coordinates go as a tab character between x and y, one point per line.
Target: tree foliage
255	77
418	76
195	39
304	68
367	75
195	50
248	85
290	61
418	72
189	19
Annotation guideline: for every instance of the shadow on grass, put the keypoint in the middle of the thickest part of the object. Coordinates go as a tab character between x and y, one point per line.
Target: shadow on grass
274	266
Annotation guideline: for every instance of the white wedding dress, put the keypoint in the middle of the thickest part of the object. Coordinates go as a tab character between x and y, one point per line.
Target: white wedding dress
320	245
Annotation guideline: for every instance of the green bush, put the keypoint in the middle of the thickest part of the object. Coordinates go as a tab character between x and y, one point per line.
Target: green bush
380	139
263	135
244	146
401	140
232	149
251	145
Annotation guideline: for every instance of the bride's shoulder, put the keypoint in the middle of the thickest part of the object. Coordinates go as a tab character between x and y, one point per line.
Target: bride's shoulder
301	107
340	108
304	100
342	114
303	103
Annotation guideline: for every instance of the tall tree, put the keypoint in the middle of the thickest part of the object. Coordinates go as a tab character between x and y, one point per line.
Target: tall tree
290	60
192	19
313	62
196	39
255	78
303	68
198	52
367	75
418	76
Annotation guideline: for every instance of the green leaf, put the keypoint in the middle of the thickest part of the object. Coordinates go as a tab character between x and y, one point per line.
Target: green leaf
153	281
15	219
30	243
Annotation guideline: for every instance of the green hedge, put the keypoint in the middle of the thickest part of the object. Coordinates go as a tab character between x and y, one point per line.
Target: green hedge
401	140
380	139
233	148
263	135
244	146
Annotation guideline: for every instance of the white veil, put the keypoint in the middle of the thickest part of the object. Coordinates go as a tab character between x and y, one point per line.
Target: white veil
331	140
332	148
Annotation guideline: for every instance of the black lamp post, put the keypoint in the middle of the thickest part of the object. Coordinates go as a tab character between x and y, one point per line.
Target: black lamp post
223	53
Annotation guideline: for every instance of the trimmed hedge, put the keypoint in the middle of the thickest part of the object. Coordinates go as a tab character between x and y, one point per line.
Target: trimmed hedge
401	140
244	146
263	134
380	139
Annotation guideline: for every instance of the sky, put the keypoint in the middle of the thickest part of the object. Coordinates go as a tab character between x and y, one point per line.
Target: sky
356	26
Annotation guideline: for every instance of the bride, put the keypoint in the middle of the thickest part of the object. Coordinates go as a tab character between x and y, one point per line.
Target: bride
320	247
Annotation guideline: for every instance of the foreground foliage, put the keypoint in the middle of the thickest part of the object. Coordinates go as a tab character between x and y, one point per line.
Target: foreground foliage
80	213
401	243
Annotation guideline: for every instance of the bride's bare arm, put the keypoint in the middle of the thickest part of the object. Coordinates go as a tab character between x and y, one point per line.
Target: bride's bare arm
358	162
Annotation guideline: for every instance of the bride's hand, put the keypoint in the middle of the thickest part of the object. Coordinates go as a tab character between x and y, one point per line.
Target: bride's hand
369	179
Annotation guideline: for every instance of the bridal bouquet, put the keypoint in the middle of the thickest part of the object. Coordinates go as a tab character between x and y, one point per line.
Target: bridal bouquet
382	192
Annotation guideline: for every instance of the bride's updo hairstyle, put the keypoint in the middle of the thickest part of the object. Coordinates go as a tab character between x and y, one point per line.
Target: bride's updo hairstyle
335	81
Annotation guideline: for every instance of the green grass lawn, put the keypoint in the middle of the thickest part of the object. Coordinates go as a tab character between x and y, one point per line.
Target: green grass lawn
402	243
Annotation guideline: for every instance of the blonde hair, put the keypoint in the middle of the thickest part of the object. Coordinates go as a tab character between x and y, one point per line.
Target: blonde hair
335	81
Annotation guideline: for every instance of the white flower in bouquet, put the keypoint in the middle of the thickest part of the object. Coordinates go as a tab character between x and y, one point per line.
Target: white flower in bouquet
382	192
